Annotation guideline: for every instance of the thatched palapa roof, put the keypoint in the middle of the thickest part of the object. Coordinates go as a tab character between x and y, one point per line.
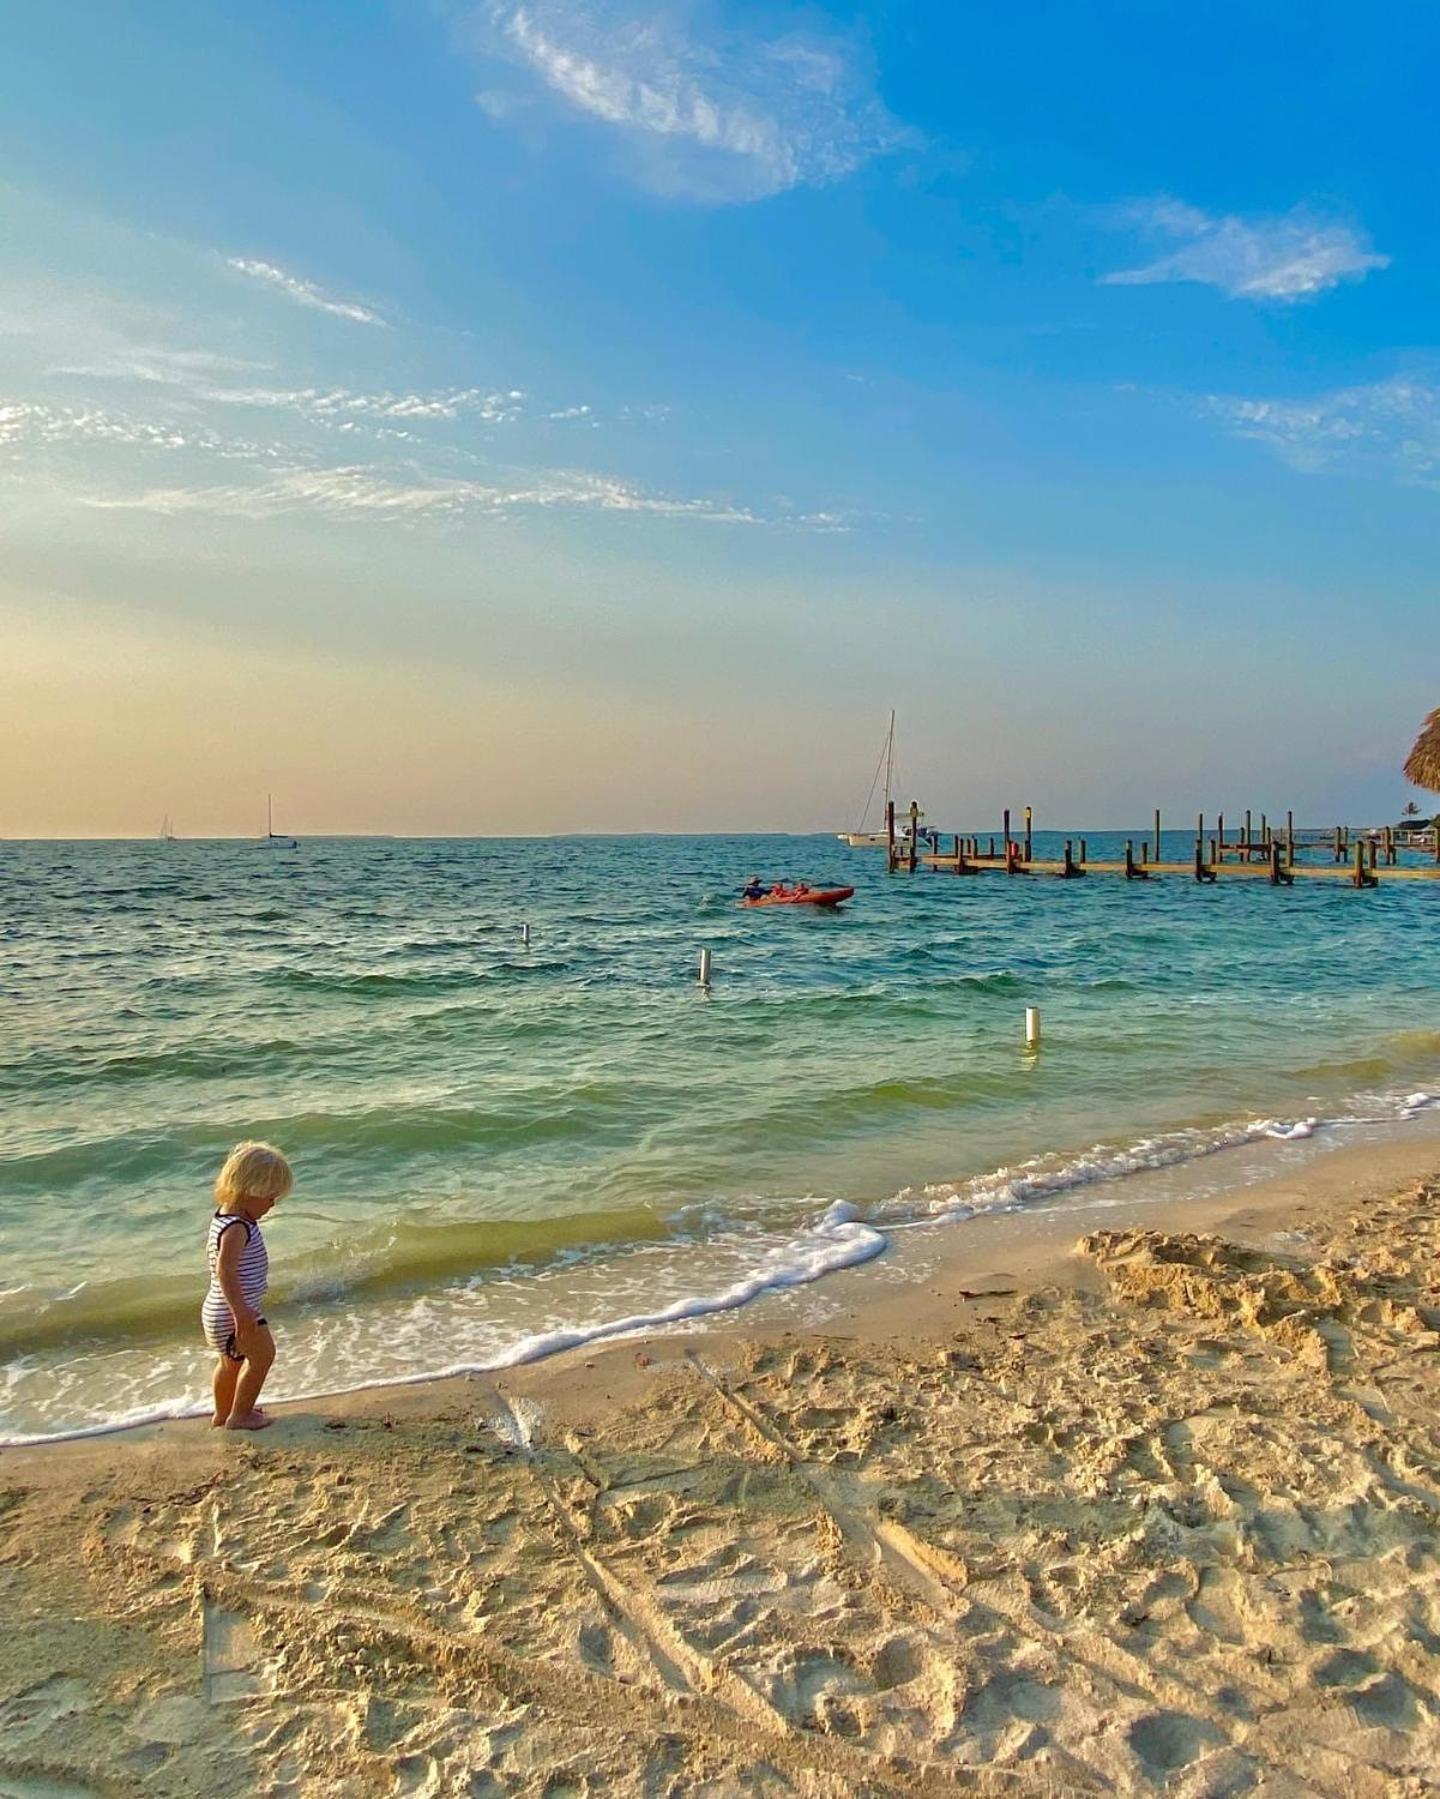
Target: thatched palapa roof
1422	765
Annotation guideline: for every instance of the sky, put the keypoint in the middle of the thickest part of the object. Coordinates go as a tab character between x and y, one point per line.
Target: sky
584	415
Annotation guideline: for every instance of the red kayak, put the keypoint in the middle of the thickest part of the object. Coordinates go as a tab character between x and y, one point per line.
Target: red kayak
808	896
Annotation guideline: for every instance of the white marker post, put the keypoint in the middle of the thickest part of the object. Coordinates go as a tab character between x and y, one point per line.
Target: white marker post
525	935
704	968
1032	1027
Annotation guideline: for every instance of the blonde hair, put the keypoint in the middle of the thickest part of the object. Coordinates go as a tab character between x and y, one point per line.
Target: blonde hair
253	1170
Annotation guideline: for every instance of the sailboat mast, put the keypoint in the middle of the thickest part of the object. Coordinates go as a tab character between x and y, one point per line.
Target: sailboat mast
269	815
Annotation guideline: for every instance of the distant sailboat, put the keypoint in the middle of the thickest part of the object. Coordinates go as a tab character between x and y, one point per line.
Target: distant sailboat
274	842
167	830
860	838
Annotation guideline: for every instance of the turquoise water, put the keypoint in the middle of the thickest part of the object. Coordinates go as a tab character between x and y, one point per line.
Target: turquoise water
498	1147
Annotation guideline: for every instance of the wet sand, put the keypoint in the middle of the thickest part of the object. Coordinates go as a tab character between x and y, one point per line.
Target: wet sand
1155	1511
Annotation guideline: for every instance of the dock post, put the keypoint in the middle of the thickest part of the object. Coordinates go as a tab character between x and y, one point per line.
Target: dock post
1085	853
1028	850
1290	838
1133	871
890	835
1070	872
1264	832
1390	845
1362	876
1339	850
1202	873
1156	856
914	833
1220	837
1280	876
1005	827
1247	829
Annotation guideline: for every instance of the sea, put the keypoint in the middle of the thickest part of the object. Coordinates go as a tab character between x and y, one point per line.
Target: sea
509	1142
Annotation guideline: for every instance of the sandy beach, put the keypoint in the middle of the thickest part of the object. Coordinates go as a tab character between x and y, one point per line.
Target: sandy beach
1154	1510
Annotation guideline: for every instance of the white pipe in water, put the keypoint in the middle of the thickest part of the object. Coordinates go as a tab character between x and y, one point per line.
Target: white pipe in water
704	968
1032	1027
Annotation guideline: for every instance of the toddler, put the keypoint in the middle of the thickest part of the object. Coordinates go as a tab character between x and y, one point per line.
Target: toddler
253	1178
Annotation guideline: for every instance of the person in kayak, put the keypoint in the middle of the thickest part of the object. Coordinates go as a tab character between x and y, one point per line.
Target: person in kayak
754	889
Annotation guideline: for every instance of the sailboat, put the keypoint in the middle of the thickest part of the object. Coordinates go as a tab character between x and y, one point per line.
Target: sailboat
860	838
167	830
274	842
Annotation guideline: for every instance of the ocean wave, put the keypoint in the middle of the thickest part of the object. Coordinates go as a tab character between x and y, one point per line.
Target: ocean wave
375	983
838	1239
405	1252
1043	1177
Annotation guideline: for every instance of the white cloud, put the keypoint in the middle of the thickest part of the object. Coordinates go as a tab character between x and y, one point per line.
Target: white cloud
30	421
1291	257
706	114
304	293
1388	429
358	491
155	365
339	403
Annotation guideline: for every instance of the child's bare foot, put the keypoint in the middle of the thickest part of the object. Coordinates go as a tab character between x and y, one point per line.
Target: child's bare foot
249	1421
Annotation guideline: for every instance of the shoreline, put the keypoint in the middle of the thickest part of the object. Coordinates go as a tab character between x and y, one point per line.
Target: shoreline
877	1299
1153	1510
906	1247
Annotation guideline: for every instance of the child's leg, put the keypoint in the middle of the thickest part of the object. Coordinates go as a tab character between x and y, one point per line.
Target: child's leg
227	1373
243	1412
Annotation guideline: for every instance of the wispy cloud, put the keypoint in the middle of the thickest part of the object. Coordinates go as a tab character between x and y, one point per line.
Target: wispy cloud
706	113
30	421
1293	256
1387	429
358	492
303	293
154	364
344	403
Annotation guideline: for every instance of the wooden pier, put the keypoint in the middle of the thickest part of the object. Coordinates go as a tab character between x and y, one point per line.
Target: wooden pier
1277	854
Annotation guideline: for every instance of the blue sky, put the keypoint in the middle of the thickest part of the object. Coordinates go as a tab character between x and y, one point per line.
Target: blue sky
592	415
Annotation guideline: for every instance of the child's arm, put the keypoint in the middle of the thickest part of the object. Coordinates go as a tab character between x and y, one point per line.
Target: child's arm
227	1273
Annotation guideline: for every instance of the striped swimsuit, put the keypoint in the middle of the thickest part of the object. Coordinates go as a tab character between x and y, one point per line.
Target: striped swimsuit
215	1315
